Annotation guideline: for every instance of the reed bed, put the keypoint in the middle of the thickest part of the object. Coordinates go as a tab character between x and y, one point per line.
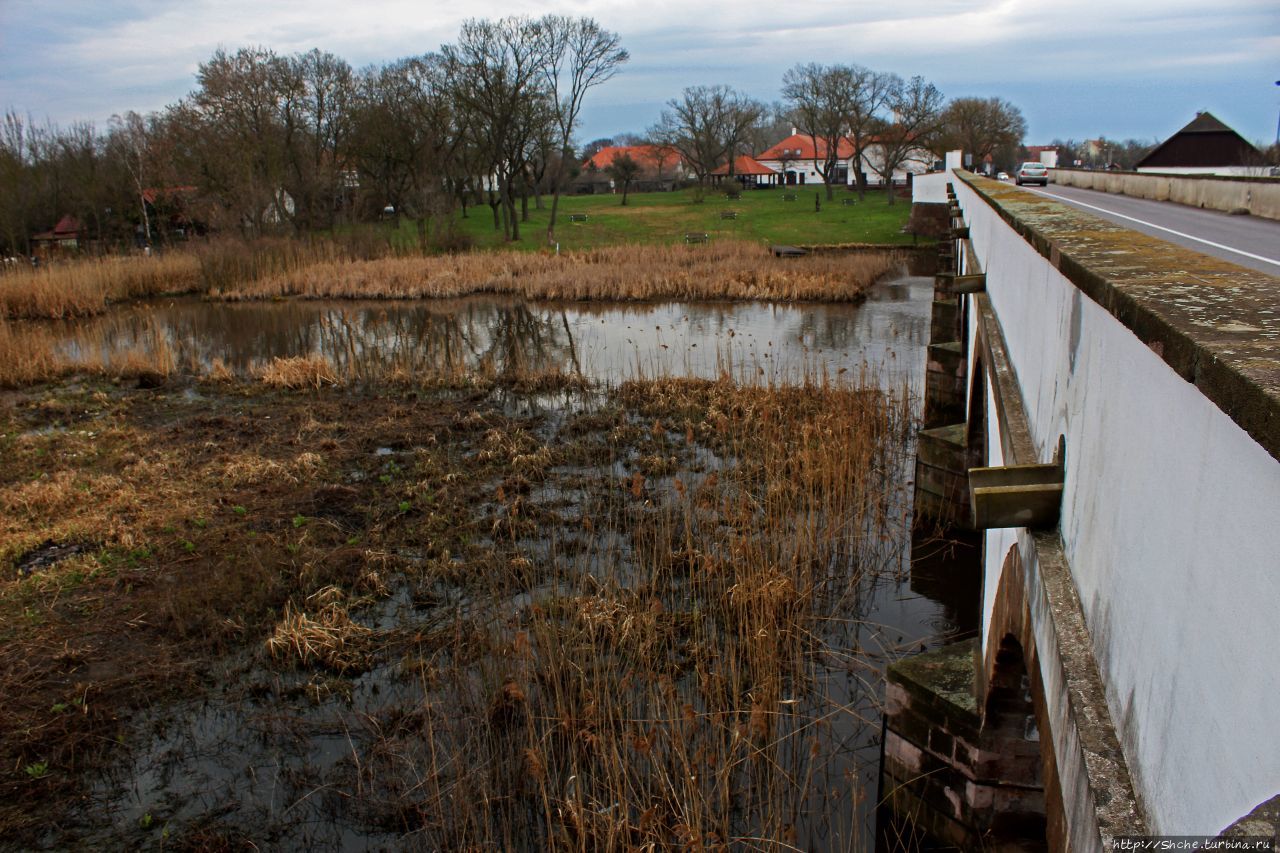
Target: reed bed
722	270
83	288
369	268
79	288
31	354
677	692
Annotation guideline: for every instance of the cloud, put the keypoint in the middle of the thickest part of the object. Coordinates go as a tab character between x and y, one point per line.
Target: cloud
98	58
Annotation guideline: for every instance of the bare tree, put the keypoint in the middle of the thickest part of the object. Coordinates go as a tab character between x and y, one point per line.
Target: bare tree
129	133
623	170
234	127
821	99
707	125
407	139
981	127
580	55
497	67
17	182
916	106
315	92
775	122
870	93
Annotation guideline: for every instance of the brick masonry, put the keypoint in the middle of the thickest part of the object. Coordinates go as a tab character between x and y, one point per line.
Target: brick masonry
963	783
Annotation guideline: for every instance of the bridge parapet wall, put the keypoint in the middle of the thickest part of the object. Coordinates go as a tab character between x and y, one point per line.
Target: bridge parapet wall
1160	368
1260	196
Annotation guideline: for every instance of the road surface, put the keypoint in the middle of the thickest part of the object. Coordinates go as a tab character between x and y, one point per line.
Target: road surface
1245	240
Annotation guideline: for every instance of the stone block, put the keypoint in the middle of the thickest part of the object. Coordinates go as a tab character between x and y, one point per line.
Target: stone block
904	753
942	743
896	699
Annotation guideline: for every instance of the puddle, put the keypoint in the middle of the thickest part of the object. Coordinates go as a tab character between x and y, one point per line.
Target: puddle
49	554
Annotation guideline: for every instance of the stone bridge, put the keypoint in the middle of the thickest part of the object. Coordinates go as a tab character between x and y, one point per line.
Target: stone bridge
1104	408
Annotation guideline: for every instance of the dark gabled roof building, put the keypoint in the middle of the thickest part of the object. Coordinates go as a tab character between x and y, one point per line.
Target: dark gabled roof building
65	235
1205	146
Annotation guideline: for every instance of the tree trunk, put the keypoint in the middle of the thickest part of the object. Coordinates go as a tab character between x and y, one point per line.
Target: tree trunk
493	201
509	210
551	223
626	185
858	177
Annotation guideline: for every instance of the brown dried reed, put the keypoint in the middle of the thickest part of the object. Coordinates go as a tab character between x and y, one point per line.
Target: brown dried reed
84	287
30	354
311	371
329	638
724	270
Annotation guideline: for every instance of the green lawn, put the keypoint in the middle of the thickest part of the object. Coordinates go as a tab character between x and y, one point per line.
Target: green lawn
660	217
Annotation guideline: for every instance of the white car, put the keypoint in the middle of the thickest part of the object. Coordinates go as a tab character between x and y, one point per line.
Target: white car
1033	173
1002	176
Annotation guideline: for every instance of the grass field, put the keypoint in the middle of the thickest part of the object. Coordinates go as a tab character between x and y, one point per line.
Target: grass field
660	217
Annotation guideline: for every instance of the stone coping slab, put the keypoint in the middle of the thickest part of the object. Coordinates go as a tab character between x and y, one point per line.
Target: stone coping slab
944	675
1216	324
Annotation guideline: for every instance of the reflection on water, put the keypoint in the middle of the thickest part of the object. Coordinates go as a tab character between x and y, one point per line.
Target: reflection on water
604	341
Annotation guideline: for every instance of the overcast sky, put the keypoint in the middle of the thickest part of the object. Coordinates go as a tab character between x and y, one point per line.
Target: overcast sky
1119	68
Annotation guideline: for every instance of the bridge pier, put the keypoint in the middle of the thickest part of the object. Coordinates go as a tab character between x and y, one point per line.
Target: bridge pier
944	448
962	759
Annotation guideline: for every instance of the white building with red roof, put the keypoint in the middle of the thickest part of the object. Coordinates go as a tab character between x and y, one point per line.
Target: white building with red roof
798	158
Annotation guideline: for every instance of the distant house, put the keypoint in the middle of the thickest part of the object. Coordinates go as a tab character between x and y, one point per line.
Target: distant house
1205	146
65	237
1046	154
660	168
794	159
170	209
748	171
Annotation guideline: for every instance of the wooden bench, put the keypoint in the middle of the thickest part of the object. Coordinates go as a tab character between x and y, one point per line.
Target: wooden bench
577	217
696	237
848	202
789	197
733	195
728	214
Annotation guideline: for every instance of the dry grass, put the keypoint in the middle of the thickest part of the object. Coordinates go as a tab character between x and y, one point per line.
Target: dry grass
312	371
329	638
722	270
85	287
78	288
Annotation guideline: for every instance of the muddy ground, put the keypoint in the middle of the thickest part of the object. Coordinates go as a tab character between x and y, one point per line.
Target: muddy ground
481	616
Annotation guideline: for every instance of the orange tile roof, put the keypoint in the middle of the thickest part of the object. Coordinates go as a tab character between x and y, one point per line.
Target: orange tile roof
801	146
744	165
650	157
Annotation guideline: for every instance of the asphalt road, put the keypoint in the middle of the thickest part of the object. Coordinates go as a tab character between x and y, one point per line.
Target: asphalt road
1244	240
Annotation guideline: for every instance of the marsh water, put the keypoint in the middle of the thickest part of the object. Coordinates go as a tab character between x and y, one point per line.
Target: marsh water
604	342
238	758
